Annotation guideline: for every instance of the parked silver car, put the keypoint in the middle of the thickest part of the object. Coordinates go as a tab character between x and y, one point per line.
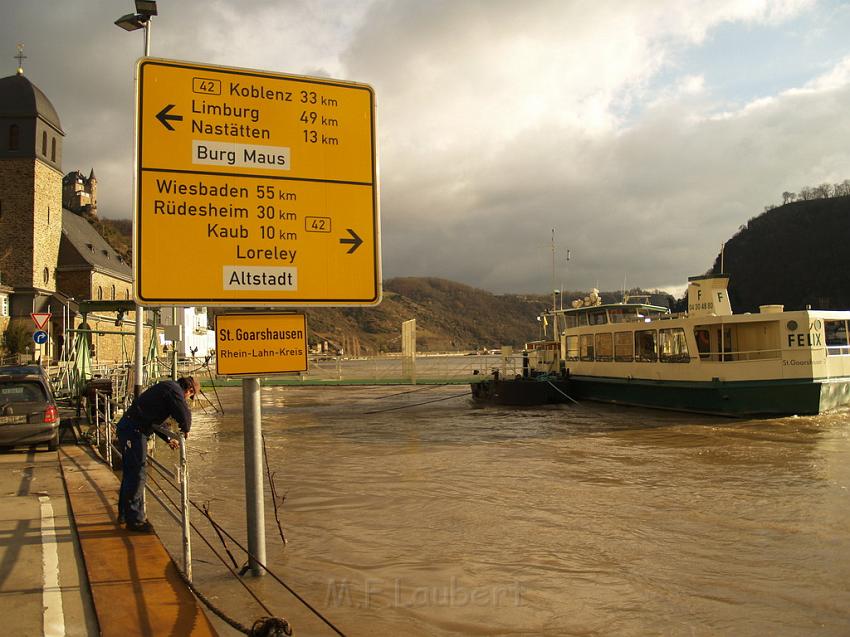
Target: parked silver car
28	413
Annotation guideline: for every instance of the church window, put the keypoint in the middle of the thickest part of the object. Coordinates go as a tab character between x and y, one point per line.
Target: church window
99	293
53	149
127	294
14	137
44	143
46	276
113	292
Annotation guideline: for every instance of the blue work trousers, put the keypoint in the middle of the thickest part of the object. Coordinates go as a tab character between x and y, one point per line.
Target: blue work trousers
134	452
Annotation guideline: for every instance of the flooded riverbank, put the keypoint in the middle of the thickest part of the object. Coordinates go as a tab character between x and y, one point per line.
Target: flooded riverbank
449	519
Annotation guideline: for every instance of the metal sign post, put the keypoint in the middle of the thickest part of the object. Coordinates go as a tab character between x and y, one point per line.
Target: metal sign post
254	497
250	345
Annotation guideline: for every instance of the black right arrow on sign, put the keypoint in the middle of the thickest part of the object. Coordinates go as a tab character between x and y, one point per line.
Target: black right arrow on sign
354	241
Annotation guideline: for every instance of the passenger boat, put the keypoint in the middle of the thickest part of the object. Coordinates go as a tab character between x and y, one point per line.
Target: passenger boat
707	360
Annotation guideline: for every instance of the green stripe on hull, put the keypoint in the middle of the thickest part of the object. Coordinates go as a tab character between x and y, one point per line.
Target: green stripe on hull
743	398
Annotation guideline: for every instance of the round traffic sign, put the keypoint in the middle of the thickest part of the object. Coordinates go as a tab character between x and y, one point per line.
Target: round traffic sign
40	337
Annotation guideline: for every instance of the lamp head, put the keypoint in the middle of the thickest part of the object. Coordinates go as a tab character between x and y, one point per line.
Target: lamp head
131	22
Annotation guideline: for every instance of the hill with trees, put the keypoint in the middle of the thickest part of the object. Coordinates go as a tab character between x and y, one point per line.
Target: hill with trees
795	254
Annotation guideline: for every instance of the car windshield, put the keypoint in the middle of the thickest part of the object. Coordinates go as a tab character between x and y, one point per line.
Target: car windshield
21	392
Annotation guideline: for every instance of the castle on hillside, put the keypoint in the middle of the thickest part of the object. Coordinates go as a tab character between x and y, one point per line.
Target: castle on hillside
51	257
79	193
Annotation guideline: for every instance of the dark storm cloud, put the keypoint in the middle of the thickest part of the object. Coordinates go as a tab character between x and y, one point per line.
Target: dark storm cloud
498	121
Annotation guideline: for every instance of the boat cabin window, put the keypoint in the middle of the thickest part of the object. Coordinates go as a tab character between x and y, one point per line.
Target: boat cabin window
672	346
621	314
703	338
646	346
586	347
571	320
836	338
597	317
604	347
624	347
572	348
582	319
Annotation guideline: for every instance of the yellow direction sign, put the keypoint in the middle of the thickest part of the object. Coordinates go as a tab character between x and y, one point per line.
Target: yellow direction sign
254	188
259	344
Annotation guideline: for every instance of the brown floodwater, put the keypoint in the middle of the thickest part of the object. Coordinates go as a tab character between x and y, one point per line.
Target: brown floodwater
450	519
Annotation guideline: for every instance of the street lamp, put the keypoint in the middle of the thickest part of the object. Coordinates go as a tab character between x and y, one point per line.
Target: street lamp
145	10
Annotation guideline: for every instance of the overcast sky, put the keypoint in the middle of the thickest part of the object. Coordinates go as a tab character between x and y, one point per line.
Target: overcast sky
645	133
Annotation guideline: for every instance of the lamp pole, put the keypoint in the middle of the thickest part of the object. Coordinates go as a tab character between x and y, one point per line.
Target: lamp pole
145	10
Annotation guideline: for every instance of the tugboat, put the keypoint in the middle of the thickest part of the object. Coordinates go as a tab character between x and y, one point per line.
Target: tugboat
707	360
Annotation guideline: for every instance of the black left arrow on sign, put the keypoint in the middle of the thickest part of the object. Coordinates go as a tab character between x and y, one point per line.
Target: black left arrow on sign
355	241
165	117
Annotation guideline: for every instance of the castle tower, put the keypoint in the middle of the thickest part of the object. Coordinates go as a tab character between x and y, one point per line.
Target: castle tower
92	184
30	185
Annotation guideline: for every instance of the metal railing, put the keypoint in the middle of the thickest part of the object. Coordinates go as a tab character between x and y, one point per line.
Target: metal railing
423	369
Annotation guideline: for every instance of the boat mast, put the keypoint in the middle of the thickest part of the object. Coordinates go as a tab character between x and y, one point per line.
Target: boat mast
554	292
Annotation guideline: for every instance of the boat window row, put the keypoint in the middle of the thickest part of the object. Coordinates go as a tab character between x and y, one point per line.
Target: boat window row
601	316
837	343
650	346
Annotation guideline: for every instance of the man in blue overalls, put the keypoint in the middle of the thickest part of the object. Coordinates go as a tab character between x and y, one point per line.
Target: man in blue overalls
143	419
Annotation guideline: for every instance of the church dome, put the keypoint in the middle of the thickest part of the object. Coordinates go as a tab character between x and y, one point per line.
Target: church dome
20	98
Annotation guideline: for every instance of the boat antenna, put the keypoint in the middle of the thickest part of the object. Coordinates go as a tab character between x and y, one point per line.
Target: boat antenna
562	282
722	250
554	289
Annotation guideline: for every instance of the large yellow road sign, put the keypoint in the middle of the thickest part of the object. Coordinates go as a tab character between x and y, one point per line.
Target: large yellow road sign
254	188
259	344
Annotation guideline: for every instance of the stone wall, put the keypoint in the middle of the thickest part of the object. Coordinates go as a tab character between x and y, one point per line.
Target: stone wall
30	223
47	226
16	222
105	287
117	348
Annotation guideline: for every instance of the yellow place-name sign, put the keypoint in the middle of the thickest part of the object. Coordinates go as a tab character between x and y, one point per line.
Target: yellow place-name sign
259	344
254	188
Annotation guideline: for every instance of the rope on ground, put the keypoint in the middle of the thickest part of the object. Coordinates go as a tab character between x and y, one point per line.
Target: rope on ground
263	627
427	402
217	611
274	576
251	556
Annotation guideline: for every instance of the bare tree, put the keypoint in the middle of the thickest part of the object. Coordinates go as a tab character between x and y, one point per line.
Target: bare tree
824	191
807	194
788	197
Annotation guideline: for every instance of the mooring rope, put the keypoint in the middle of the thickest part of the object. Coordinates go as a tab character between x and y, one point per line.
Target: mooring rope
563	393
427	402
217	611
274	576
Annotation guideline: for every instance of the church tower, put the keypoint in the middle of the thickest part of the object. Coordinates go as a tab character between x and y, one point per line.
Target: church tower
30	185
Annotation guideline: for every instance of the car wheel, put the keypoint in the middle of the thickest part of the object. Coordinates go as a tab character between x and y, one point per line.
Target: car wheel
53	443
